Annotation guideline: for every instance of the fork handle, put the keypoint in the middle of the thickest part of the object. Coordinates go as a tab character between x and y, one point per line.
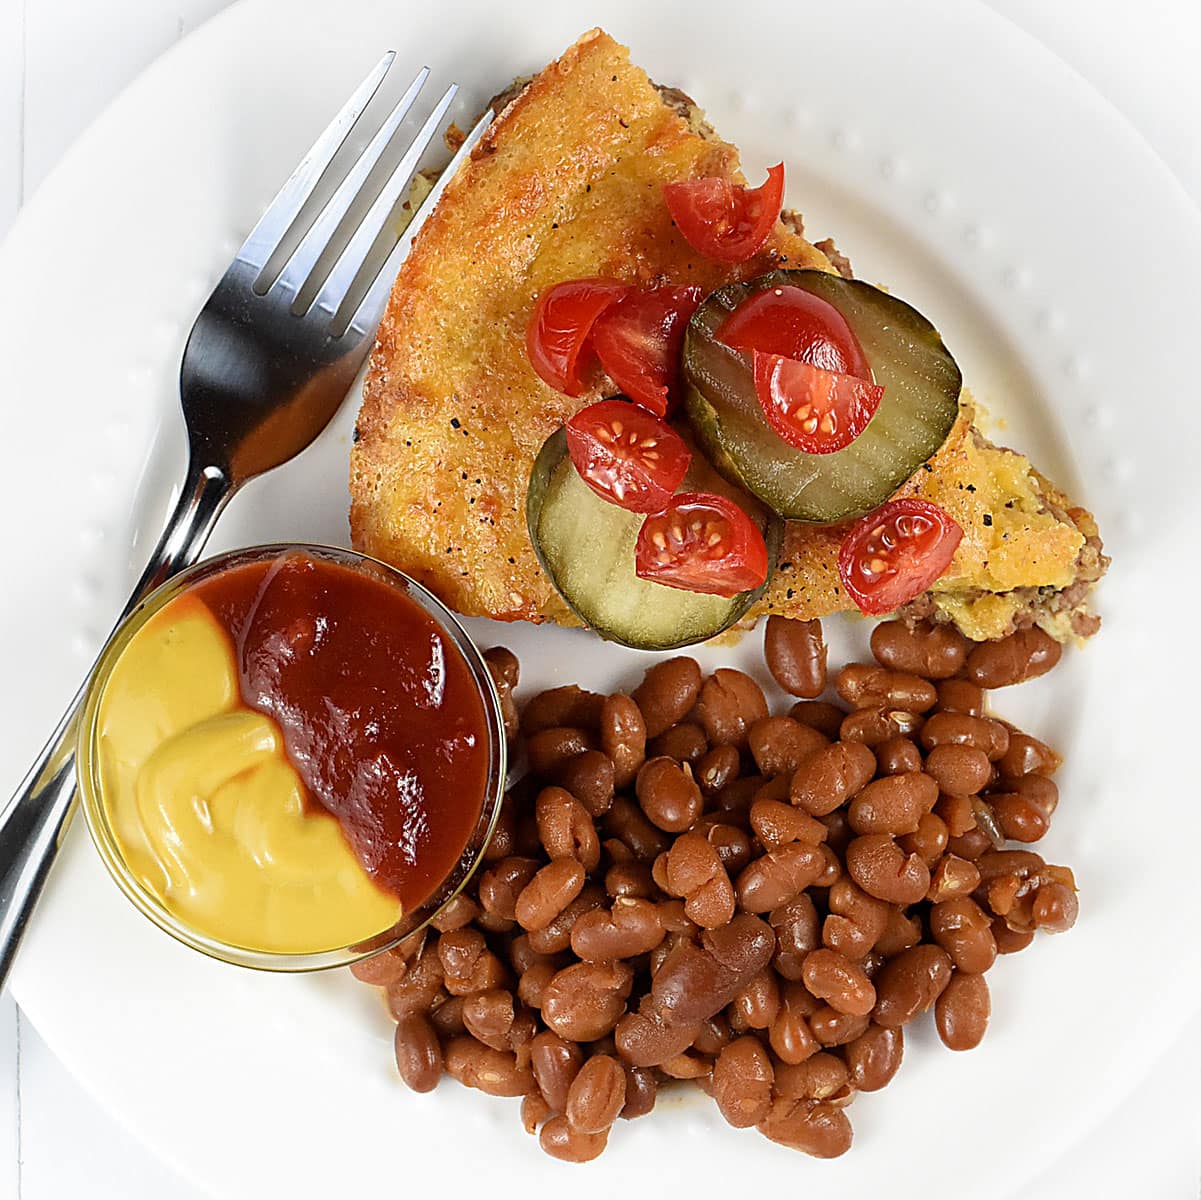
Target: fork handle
33	821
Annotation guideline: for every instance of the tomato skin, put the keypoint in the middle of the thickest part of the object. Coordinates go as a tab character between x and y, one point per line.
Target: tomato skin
816	411
723	220
559	328
677	547
626	455
912	539
794	323
639	340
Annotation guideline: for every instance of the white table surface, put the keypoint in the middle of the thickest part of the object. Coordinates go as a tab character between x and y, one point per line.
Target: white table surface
61	61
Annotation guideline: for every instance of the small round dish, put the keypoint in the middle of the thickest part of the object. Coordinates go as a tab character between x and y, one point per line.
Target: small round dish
109	843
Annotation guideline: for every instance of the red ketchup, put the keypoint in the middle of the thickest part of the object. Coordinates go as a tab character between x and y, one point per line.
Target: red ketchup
380	713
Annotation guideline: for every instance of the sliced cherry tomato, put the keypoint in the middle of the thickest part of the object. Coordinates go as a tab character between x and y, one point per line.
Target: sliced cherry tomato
626	455
560	326
797	324
724	220
895	553
639	341
702	542
814	410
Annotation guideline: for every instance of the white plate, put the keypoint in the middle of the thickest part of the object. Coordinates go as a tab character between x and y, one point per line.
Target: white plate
954	159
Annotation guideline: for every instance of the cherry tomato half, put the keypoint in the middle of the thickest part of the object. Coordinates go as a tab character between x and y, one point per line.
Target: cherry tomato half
814	410
724	220
562	320
796	324
895	553
639	341
702	542
626	455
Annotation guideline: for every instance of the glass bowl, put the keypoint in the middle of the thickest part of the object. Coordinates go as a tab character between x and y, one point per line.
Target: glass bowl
108	844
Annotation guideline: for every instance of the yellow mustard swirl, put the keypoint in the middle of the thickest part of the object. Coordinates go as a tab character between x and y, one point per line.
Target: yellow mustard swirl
209	814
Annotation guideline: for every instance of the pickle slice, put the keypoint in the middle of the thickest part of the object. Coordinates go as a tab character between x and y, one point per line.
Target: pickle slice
906	354
586	547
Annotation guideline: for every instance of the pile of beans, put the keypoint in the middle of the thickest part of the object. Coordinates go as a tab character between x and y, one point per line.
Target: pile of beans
685	887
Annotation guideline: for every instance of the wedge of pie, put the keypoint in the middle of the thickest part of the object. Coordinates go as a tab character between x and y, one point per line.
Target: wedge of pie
567	183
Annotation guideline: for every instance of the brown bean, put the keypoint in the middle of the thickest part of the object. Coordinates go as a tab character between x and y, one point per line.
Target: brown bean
589	778
733	845
641	1091
631	927
824	1076
830	776
957	813
503	665
928	841
742	1082
795	653
628	822
534	1110
898	755
789	1035
560	706
1022	655
551	890
730	702
565	828
758	1003
962	1011
716	768
668	794
630	880
694	872
958	729
959	770
856	921
558	1139
969	845
623	737
715	1034
418	1053
960	695
776	823
555	1062
668	690
932	651
389	966
874	1057
501	885
952	876
596	1095
686	1065
531	987
457	912
778	876
961	927
839	982
798	930
492	1071
894	804
1055	907
646	1040
780	744
1027	756
821	715
833	1028
585	1001
863	685
1019	819
910	983
549	749
460	952
1010	941
420	988
674	919
685	743
874	726
488	1017
882	869
820	1130
557	935
994	864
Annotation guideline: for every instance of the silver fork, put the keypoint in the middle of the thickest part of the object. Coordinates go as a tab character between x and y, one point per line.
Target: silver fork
263	373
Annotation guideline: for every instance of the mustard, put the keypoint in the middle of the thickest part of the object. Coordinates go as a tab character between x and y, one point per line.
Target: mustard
208	813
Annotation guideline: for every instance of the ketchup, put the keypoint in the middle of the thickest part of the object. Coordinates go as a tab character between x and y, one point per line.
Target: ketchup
381	716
